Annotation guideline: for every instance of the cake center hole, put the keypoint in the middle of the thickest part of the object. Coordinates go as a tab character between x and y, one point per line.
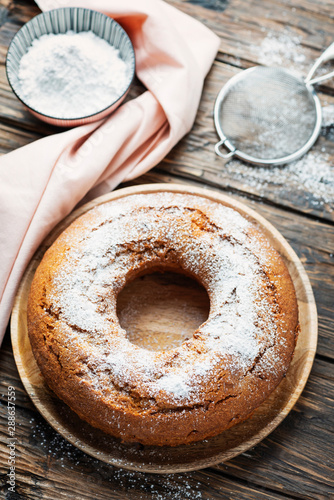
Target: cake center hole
159	311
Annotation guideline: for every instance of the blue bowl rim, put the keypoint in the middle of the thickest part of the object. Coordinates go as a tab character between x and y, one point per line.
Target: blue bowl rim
85	117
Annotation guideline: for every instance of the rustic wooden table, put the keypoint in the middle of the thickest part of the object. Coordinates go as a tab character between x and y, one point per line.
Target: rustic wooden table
296	461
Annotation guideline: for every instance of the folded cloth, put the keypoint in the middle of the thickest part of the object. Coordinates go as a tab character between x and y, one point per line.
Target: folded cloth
42	182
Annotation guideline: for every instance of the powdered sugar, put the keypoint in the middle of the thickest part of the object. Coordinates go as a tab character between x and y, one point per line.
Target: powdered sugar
71	75
203	238
282	49
174	384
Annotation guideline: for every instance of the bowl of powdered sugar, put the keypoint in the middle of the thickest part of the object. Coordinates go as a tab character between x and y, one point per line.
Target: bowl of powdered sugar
71	66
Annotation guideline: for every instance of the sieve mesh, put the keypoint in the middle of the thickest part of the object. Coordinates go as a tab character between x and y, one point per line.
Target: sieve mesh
268	114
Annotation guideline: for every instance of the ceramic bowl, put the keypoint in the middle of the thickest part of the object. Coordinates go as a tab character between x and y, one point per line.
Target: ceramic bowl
63	20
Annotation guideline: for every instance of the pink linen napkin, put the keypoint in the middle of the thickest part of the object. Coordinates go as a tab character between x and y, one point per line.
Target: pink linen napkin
42	182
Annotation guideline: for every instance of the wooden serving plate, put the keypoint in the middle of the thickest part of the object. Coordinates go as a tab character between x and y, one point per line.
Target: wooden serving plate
181	458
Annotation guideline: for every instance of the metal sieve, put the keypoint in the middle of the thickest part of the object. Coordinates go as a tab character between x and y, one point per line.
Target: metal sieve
268	116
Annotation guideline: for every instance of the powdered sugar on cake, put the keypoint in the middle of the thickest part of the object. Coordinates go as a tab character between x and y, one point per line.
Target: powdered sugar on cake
204	238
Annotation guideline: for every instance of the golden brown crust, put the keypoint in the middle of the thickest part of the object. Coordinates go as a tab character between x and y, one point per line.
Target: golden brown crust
211	382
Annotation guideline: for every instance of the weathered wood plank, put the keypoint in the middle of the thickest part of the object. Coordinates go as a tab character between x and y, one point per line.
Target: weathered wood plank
308	185
242	26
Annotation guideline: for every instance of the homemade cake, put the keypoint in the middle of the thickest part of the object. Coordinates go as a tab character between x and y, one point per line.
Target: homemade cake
213	380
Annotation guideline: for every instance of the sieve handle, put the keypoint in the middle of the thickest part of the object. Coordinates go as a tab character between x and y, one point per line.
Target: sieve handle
325	56
223	155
